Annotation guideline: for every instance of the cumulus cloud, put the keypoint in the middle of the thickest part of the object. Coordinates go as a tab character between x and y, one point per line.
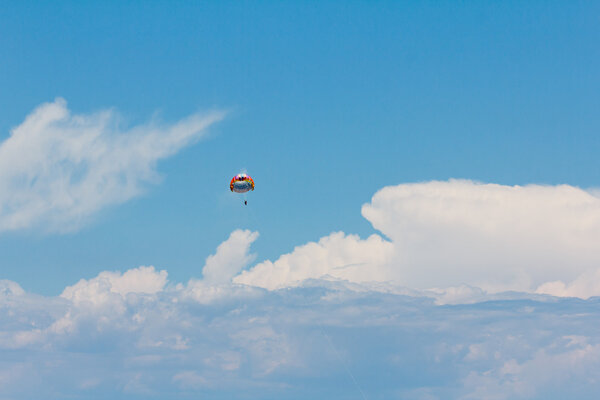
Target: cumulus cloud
138	280
459	233
488	235
412	313
232	255
126	334
337	255
230	258
121	335
544	374
58	168
586	285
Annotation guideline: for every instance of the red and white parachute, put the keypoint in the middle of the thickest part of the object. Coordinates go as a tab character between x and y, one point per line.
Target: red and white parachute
241	183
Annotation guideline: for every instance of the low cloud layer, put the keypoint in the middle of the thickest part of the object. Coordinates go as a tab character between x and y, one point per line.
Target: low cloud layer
448	234
57	168
135	335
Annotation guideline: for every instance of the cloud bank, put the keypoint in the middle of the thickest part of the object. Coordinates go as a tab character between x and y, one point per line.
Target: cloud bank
448	234
57	168
135	335
454	299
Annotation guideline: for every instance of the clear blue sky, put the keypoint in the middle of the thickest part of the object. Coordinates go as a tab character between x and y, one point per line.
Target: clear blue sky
328	102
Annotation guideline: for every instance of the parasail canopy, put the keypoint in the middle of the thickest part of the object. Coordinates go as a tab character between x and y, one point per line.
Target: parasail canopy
241	183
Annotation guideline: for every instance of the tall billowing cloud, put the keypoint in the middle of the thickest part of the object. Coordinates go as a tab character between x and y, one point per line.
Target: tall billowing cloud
495	236
448	234
58	168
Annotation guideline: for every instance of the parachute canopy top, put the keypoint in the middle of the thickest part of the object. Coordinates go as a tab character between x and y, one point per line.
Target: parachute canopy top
241	183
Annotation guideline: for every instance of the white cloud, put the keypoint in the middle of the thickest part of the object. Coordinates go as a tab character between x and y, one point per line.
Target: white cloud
488	235
457	233
586	285
546	371
57	168
380	309
10	288
337	255
128	333
231	256
157	340
97	290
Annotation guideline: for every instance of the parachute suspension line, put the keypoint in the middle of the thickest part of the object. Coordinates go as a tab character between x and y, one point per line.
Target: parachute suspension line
242	183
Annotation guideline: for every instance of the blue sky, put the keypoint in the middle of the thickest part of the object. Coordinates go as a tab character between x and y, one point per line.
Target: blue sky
363	118
343	98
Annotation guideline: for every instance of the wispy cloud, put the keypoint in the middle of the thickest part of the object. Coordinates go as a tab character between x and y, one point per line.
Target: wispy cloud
58	168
